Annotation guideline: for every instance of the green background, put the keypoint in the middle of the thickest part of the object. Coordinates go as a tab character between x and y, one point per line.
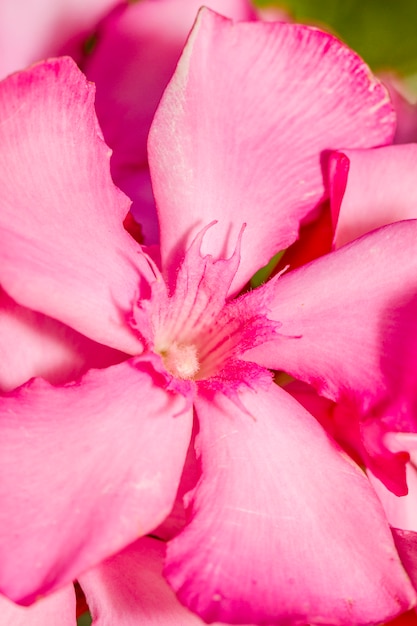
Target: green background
383	32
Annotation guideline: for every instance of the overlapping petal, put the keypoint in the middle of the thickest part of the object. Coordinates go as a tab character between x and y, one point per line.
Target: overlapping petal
58	608
129	589
291	541
406	542
32	344
138	47
63	249
378	188
348	323
241	129
99	463
31	30
401	511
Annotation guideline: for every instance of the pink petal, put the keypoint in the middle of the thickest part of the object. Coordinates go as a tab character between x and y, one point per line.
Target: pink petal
137	50
241	129
64	251
362	439
129	590
348	323
283	528
401	511
176	520
406	542
379	188
136	183
138	46
85	470
31	30
58	608
32	344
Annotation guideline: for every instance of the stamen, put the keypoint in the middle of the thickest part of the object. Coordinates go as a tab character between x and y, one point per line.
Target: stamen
181	360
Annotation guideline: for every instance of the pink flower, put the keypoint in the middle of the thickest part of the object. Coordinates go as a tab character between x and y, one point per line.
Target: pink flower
370	189
42	346
127	588
279	519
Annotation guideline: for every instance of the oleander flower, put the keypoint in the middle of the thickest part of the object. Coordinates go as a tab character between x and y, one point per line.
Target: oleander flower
282	526
143	40
370	189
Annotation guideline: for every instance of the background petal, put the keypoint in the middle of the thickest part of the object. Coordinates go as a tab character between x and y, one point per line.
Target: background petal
85	470
401	511
348	323
241	129
129	589
31	30
283	527
63	249
32	344
379	189
138	46
58	608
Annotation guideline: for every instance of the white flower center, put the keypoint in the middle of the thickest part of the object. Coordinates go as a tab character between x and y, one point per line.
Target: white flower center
181	360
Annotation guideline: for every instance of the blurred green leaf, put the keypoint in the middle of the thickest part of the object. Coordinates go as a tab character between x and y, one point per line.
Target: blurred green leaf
264	273
383	33
84	620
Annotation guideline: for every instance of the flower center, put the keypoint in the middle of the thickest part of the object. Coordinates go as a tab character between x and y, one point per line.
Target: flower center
197	331
181	360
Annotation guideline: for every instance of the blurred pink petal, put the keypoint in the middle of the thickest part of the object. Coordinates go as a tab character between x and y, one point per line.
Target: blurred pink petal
99	463
61	227
136	183
406	543
401	511
32	344
377	187
129	589
362	437
138	47
58	608
271	445
177	519
31	30
213	157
